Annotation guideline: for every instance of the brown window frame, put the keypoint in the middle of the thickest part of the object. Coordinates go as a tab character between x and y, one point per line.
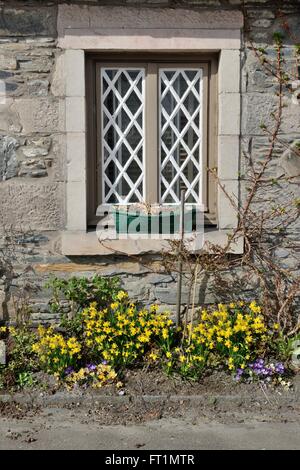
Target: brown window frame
151	62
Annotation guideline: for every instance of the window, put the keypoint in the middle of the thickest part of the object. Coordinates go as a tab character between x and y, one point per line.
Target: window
151	130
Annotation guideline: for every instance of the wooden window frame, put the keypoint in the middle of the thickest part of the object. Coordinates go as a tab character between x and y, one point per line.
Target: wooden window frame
151	62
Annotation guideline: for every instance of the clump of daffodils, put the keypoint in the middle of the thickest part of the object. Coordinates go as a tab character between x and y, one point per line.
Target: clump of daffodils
122	334
55	352
231	335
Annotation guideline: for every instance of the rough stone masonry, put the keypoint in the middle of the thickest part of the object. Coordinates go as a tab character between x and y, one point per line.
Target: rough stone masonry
33	155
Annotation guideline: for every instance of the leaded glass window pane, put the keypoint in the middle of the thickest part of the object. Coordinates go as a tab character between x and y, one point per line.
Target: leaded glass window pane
122	126
180	97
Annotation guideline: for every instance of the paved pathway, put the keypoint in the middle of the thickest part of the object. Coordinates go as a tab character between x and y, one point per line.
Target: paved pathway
63	429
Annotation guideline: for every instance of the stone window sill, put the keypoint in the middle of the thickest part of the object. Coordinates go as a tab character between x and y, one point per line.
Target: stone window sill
81	243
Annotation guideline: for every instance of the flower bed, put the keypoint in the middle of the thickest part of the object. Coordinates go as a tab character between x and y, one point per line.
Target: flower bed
102	342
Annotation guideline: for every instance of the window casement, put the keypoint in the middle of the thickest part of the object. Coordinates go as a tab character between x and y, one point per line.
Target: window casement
151	130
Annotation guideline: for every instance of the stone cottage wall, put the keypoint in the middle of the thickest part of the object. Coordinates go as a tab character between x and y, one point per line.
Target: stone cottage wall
32	149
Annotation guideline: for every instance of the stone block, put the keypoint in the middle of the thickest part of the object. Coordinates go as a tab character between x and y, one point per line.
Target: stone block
40	114
9	118
227	213
228	156
7	62
38	147
289	163
38	87
33	168
230	112
255	77
35	64
4	74
136	289
76	205
36	206
13	89
37	21
261	23
290	117
162	18
157	278
168	295
72	16
57	154
229	68
257	109
75	73
58	85
75	114
8	158
76	164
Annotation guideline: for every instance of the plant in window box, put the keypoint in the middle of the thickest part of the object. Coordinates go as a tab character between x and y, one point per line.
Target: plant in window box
157	219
